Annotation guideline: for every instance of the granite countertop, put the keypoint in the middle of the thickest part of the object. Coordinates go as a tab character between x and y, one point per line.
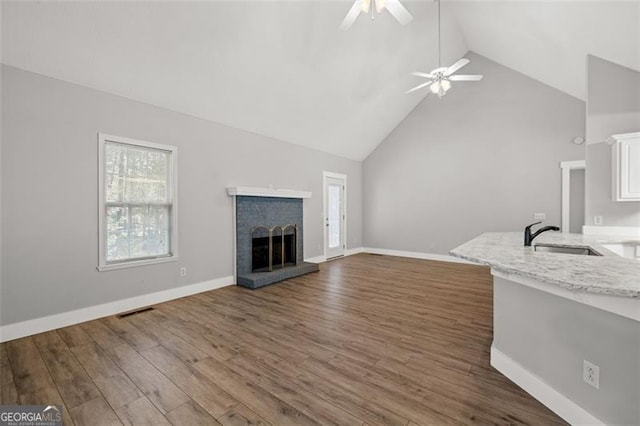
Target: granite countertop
609	274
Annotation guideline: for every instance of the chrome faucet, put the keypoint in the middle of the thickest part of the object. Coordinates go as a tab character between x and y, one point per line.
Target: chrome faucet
528	237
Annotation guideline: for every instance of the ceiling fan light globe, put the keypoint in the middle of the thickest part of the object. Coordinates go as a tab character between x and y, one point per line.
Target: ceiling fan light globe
435	87
364	5
446	85
380	5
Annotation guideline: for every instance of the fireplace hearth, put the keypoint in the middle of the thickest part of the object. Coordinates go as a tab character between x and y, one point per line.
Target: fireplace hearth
269	240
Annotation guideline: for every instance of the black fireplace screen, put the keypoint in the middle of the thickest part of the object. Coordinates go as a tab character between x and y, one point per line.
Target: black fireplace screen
273	248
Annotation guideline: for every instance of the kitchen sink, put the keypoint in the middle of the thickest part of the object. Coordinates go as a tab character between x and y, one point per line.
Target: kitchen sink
584	251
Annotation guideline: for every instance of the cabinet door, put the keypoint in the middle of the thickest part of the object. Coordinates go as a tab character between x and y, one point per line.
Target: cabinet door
628	169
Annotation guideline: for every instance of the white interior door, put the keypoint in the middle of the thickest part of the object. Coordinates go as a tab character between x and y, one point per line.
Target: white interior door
335	215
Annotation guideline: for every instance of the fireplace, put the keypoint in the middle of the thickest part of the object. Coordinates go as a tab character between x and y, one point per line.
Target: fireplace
269	236
273	248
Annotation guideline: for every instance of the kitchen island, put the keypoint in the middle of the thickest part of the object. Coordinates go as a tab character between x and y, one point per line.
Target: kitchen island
554	311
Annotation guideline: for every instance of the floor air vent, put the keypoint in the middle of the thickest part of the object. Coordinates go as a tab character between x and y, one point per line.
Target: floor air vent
139	311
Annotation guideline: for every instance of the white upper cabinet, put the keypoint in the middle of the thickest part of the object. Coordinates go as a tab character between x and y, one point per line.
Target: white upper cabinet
626	166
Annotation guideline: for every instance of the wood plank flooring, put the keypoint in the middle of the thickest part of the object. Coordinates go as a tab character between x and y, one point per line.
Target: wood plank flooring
369	340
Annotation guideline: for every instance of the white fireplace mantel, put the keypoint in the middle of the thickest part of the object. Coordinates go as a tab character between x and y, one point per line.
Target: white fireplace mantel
239	191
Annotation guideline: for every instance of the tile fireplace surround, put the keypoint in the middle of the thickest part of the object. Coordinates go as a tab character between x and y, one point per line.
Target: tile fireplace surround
267	208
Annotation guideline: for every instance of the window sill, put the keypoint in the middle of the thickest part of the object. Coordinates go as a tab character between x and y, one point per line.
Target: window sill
136	263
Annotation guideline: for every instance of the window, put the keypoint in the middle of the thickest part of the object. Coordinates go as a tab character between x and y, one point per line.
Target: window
138	211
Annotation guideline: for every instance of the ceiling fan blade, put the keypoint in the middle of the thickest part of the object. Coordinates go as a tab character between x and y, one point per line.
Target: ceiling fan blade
421	74
466	77
398	11
418	87
455	67
351	15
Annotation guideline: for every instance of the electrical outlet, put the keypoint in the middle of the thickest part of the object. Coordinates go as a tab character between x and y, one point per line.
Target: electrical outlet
591	374
539	216
183	271
597	220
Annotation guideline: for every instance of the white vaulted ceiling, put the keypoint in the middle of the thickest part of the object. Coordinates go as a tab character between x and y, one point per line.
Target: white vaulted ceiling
283	68
549	40
278	68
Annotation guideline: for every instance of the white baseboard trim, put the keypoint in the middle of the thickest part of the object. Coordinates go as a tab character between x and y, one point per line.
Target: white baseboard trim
532	384
52	322
616	231
353	251
417	255
322	258
398	253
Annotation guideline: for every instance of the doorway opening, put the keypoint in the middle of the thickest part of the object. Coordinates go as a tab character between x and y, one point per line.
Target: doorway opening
573	196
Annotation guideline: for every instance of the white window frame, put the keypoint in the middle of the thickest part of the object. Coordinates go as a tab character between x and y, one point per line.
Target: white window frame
103	265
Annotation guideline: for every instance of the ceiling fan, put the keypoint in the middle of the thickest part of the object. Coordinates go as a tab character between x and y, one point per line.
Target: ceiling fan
395	8
440	78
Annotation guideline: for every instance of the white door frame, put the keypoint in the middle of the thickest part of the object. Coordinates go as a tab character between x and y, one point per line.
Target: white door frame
325	176
566	167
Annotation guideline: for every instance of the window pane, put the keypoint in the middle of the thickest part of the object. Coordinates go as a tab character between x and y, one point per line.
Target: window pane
137	232
334	215
149	234
136	174
117	233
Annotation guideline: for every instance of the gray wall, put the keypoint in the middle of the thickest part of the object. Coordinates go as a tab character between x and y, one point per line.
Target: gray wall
613	107
483	158
613	99
49	193
1	256
551	336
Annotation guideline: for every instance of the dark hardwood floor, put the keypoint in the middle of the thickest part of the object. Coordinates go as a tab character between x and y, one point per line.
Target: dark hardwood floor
372	340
